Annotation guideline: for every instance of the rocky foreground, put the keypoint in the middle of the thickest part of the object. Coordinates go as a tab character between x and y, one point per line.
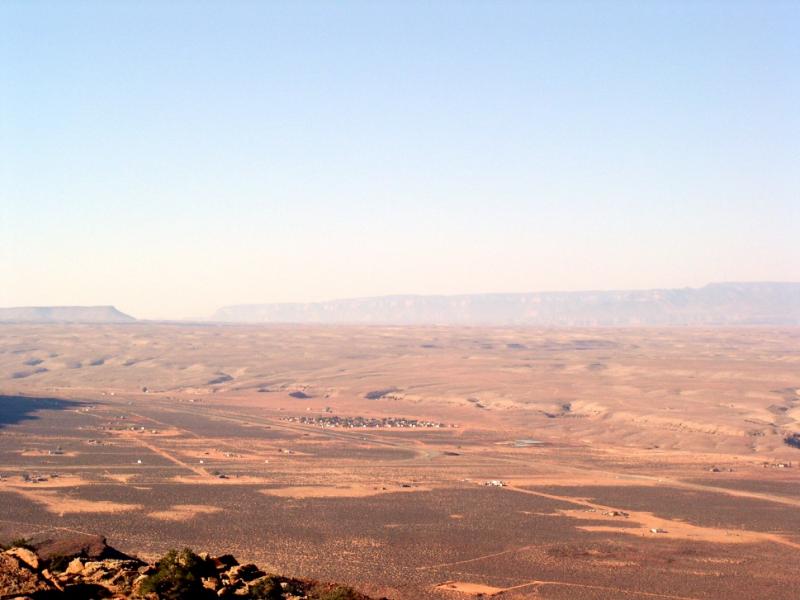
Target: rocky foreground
85	567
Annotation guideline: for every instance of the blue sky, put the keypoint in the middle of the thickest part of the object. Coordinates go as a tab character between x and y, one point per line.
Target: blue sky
173	157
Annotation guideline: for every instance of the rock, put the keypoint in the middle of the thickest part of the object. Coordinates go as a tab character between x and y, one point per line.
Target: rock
247	572
136	586
211	583
124	578
95	570
225	562
116	573
17	579
47	575
26	556
23	575
75	566
70	546
267	586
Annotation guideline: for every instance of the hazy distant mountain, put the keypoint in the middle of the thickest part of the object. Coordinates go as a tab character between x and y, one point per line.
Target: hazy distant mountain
64	314
713	304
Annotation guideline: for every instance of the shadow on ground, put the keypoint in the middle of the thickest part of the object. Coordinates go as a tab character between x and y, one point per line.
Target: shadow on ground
16	409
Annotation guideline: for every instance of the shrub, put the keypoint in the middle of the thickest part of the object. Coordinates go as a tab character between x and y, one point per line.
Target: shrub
339	592
267	588
178	576
59	563
20	543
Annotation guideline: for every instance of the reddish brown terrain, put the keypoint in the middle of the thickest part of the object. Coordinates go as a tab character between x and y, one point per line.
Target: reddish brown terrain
630	463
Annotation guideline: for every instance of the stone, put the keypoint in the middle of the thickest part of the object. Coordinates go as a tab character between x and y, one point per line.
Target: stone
72	545
123	577
211	583
136	587
17	579
95	570
247	572
75	566
269	585
26	556
225	562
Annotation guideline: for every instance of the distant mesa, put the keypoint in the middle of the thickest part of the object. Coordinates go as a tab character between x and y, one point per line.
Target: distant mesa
64	314
716	304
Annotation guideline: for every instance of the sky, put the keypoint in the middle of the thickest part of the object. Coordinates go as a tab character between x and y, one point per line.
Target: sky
170	158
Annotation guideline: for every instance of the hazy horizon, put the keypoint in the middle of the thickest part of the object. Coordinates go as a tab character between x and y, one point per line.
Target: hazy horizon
171	159
715	304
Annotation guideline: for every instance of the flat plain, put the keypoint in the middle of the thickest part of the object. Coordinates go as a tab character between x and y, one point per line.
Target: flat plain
411	462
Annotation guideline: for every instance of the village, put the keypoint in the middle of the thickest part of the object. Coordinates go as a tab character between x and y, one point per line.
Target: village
366	422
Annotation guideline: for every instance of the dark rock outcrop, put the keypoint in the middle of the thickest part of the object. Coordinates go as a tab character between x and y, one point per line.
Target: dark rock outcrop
17	578
92	547
84	566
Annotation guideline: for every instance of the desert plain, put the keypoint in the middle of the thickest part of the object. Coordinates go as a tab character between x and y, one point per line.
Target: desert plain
418	462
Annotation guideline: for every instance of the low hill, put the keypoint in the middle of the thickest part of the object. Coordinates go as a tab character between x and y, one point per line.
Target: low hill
64	314
713	304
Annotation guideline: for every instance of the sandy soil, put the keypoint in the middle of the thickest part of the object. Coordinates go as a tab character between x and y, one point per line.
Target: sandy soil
59	503
184	512
685	426
469	589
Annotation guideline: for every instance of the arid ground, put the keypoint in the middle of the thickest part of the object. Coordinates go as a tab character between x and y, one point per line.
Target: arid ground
632	463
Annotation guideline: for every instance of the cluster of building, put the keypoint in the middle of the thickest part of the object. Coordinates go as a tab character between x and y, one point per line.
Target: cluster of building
365	422
37	477
778	465
135	428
